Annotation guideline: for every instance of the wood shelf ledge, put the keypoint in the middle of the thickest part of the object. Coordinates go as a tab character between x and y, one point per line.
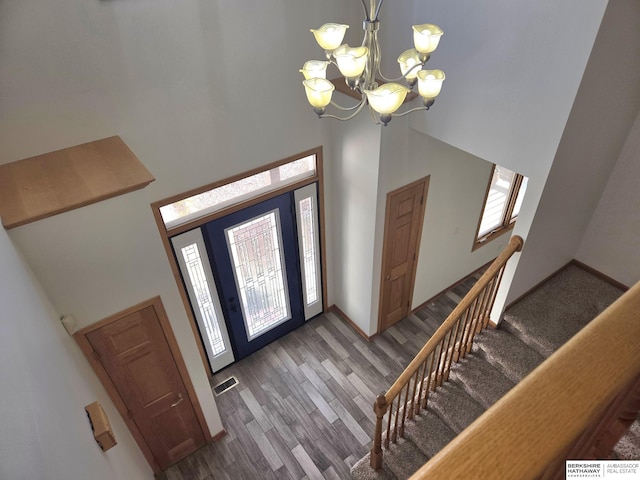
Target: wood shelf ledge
45	185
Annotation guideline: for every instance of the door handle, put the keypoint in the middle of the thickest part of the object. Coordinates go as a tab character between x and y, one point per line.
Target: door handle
180	399
233	307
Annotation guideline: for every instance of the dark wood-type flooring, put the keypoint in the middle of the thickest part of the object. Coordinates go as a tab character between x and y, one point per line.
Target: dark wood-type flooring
303	406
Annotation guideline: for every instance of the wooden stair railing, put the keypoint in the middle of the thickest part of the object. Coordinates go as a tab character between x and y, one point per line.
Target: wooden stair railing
574	406
452	340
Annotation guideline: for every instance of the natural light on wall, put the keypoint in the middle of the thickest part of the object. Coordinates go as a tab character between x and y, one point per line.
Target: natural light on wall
218	198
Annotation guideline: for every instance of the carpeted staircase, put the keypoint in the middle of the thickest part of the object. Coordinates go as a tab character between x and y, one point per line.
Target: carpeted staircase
531	331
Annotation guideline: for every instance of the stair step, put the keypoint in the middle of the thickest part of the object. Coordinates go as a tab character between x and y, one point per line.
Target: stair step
628	447
403	458
506	352
428	432
400	461
362	470
545	325
481	380
455	406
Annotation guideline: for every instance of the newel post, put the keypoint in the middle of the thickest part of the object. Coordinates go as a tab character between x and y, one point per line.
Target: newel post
380	408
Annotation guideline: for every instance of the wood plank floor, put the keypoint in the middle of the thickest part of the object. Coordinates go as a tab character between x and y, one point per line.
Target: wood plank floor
303	406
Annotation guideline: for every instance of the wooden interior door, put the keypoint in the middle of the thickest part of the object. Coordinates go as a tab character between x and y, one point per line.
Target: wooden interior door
402	231
135	353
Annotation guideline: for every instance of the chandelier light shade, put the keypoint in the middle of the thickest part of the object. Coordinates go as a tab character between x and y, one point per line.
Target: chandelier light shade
430	83
319	91
330	35
360	67
426	37
314	69
351	60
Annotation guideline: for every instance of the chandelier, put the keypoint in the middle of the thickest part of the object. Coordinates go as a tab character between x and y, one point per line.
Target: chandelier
360	67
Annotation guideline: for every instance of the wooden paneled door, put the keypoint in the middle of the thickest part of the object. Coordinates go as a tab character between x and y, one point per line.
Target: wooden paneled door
146	378
402	231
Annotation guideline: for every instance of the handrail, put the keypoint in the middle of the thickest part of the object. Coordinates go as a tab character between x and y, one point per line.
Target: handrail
451	341
550	412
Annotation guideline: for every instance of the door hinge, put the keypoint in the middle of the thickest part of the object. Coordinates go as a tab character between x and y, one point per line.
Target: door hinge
129	414
96	355
421	199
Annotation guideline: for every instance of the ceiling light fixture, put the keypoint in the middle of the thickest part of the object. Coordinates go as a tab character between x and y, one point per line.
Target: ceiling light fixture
360	67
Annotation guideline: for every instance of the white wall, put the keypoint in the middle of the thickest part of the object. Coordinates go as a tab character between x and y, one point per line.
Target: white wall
353	177
199	90
596	131
46	383
513	69
611	241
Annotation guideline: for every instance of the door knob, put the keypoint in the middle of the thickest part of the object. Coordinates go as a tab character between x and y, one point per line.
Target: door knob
180	399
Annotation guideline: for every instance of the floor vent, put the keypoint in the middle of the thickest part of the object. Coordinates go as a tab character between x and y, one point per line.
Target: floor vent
228	384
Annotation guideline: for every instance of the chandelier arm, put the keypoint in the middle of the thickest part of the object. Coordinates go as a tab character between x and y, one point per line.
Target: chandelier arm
416	109
324	115
417	66
347	109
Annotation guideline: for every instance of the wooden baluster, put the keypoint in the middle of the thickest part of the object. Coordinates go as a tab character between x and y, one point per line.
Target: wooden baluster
419	400
436	364
412	410
473	323
394	434
449	353
468	327
455	350
438	379
492	301
484	296
404	411
486	309
451	350
462	351
442	373
388	437
380	407
426	390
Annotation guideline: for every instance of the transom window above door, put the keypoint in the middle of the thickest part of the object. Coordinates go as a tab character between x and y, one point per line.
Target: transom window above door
241	190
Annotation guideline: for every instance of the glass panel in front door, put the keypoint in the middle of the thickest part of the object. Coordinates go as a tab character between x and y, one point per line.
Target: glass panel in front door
255	259
256	253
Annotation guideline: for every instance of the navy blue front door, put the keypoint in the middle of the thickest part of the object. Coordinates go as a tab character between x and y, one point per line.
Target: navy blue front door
254	256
